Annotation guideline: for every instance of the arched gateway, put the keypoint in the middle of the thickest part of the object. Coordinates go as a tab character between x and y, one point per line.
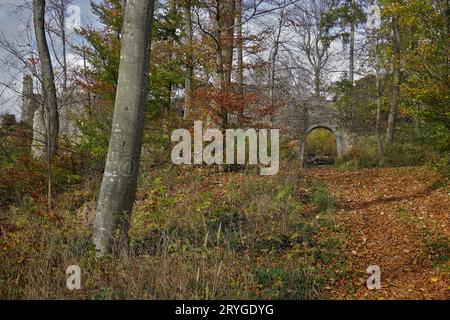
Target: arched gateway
298	119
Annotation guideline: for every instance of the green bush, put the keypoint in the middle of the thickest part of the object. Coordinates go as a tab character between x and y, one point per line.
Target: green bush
442	165
363	154
404	154
321	197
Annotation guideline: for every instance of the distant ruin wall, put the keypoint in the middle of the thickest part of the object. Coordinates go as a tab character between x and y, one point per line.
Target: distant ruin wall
29	102
34	116
298	118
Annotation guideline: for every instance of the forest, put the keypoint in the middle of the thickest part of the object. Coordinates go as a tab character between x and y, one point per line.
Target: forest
224	149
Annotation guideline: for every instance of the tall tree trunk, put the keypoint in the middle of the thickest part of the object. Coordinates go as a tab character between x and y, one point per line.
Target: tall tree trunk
219	52
317	83
123	4
353	23
189	59
239	45
88	94
50	104
62	22
378	120
220	70
396	81
117	193
352	55
63	109
227	26
47	78
275	54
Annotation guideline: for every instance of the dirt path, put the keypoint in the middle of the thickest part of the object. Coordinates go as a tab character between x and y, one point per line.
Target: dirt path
395	219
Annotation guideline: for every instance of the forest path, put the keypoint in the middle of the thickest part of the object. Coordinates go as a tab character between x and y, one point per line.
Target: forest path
393	218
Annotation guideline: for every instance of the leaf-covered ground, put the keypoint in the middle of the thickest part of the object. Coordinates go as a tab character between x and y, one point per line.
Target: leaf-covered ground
199	233
398	219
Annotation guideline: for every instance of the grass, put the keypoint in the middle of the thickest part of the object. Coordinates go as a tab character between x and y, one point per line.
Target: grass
196	233
321	197
436	245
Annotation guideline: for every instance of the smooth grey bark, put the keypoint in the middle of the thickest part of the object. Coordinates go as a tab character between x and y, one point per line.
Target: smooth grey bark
117	193
123	3
47	78
396	81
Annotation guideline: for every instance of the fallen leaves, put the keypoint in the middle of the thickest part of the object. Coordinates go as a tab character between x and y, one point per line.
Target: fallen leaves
398	216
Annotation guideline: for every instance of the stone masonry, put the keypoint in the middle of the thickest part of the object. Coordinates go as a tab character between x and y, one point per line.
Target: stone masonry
34	115
295	119
299	118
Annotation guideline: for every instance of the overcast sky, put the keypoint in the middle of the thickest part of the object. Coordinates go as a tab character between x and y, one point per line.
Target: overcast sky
13	23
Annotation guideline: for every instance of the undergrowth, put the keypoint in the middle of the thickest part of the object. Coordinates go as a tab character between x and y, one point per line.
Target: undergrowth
196	233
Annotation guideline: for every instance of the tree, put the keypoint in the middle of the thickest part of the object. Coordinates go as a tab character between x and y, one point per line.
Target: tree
274	53
346	14
50	106
189	58
102	53
426	62
396	70
117	193
220	23
167	64
58	15
47	77
312	41
240	48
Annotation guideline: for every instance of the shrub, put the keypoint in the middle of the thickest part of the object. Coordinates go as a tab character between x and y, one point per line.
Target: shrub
404	154
363	154
321	197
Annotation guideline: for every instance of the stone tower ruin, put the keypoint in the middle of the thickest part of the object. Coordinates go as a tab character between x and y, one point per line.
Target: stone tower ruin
34	115
30	102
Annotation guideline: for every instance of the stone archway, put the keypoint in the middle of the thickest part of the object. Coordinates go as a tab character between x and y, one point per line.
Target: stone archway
300	117
329	127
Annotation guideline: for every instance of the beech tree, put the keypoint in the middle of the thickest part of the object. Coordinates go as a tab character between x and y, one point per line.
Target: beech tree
346	14
50	104
312	40
117	193
47	77
396	70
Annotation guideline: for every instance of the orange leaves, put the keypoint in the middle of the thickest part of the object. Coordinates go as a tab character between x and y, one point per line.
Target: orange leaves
229	107
404	227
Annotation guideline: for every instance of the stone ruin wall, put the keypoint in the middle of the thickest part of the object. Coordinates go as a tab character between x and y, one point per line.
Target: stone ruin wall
299	117
295	119
34	117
